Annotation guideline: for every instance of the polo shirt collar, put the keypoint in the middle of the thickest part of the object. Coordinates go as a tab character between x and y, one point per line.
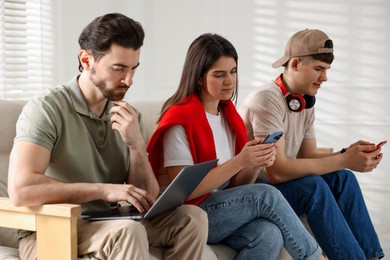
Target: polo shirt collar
79	103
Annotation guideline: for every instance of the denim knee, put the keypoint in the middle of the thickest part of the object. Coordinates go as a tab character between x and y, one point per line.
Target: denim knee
305	193
259	239
257	188
306	186
338	180
274	234
314	183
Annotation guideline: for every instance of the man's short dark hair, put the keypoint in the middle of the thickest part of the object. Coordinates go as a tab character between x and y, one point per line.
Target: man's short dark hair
114	28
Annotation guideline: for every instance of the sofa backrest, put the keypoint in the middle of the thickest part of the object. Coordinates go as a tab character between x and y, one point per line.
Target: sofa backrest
150	111
9	113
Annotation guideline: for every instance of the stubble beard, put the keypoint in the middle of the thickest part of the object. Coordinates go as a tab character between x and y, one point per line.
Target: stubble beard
110	94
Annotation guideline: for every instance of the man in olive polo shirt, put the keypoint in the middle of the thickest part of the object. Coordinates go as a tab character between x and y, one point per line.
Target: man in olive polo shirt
81	143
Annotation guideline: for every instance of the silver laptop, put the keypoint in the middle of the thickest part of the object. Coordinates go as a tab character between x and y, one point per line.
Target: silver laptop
173	196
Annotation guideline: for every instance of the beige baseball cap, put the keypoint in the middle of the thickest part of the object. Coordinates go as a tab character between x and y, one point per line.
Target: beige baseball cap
304	43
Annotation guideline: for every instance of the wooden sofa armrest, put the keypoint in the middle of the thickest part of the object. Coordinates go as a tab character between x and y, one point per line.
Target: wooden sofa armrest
55	224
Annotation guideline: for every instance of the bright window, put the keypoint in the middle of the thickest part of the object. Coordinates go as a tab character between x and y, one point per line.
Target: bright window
26	47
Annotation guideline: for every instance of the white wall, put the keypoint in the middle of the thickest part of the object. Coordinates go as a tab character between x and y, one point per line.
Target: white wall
350	106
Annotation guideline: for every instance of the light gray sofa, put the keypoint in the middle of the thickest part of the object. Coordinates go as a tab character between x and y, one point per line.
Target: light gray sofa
9	111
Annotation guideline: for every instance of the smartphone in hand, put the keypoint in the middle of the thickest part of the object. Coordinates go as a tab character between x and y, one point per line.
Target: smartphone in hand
273	137
380	144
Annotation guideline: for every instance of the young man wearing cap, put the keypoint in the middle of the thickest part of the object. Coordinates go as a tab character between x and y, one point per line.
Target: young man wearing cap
315	184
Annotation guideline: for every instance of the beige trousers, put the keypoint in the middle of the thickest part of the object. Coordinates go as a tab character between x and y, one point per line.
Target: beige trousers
182	232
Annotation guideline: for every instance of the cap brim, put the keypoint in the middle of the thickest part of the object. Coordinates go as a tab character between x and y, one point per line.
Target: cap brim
280	62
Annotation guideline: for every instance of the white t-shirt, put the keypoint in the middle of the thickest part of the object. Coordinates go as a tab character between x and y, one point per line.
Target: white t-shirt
177	150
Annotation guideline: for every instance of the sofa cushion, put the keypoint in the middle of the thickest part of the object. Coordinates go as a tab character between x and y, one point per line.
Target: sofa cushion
211	252
9	113
8	253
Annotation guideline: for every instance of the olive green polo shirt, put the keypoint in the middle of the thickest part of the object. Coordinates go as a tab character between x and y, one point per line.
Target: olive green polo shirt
83	148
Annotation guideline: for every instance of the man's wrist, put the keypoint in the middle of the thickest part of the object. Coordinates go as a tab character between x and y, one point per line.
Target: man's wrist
139	152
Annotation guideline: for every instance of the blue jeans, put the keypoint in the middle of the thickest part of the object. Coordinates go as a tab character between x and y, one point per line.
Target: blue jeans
257	221
336	213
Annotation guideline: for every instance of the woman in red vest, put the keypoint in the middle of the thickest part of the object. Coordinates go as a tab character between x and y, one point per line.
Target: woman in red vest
200	123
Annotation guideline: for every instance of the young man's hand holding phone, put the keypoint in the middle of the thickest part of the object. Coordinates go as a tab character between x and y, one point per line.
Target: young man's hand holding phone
379	145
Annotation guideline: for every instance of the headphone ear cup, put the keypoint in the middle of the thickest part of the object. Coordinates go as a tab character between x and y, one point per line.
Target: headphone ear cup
295	102
310	101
